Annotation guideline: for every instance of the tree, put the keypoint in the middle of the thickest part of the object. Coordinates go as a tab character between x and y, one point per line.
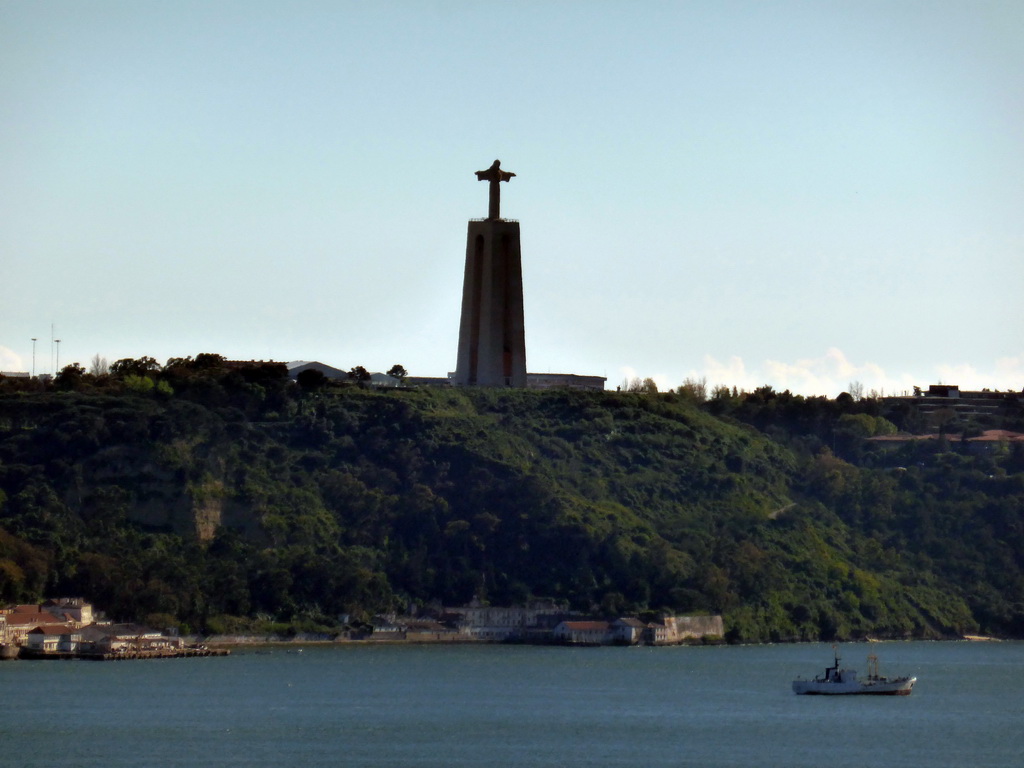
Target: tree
141	384
70	376
643	386
311	380
862	425
359	374
208	361
694	389
397	371
944	419
98	366
127	366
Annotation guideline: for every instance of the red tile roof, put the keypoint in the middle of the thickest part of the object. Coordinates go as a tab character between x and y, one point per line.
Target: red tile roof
52	629
20	619
583	626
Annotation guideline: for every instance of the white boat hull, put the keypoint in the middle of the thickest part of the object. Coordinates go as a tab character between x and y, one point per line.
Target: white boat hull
897	687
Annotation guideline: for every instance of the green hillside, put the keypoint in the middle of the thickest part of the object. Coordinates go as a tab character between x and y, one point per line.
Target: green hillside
206	497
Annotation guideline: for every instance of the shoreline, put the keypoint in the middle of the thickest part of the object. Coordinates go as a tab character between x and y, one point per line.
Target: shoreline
261	641
246	641
225	645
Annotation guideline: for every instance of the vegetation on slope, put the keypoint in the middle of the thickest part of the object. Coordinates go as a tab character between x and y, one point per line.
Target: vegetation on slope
199	495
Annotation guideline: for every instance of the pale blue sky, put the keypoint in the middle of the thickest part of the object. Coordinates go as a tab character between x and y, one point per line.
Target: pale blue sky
800	194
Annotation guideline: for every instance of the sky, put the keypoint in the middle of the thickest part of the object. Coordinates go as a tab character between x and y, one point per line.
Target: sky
794	194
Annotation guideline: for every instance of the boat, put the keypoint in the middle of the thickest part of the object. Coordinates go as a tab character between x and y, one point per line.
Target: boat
844	682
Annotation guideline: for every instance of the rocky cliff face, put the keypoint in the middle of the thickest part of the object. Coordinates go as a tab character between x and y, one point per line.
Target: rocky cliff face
207	514
161	487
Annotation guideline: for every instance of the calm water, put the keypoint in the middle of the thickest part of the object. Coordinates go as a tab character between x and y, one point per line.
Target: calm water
522	706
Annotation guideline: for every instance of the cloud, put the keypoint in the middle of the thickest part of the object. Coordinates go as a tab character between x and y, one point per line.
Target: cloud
1011	366
954	374
732	373
663	382
628	373
1007	374
833	372
9	361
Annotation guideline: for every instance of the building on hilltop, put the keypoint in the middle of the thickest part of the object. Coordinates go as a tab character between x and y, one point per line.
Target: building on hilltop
298	366
237	365
384	381
538	381
985	402
430	381
565	381
989	441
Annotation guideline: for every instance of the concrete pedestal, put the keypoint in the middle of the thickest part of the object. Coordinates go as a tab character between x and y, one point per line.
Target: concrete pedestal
492	338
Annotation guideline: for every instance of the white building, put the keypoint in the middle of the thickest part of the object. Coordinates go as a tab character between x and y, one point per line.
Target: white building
54	638
584	632
70	609
489	622
628	631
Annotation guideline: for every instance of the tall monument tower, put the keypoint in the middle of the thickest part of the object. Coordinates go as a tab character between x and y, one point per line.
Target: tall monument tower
492	338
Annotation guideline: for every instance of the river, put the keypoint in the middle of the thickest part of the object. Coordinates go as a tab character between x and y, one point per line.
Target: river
515	706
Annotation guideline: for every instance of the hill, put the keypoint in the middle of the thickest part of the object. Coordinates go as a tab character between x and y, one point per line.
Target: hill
208	497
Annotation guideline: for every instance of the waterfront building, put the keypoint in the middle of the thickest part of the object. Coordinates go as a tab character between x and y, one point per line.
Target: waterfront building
583	632
70	609
22	619
54	638
628	631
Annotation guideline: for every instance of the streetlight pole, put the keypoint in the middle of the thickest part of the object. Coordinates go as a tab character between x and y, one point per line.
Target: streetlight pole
56	370
33	357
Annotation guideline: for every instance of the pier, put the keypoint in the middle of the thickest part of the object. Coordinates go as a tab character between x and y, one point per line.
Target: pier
126	655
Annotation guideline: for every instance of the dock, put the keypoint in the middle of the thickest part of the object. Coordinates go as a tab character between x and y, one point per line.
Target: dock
127	655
